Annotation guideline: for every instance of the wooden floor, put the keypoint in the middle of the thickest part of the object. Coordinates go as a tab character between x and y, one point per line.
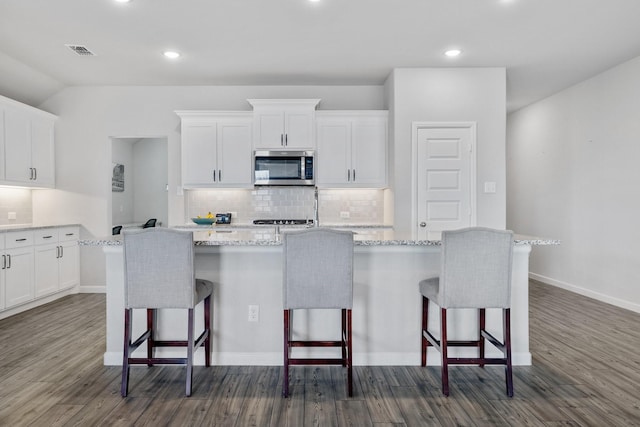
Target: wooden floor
586	372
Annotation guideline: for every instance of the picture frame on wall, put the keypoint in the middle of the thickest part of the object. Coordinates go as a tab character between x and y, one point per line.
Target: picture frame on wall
117	179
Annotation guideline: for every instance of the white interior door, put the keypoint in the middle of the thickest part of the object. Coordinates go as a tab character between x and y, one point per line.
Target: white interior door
445	176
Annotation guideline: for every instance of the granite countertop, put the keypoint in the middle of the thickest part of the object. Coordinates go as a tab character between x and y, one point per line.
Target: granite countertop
271	236
27	227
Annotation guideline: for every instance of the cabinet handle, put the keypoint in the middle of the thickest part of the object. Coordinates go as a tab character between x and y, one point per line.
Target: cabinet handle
4	262
61	251
47	237
20	240
286	138
214	175
70	234
354	175
8	261
348	175
281	139
35	174
31	174
219	175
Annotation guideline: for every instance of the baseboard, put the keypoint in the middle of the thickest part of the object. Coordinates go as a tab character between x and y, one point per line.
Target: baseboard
92	289
586	292
275	359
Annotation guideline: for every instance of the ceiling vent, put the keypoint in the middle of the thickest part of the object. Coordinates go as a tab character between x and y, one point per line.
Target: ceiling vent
80	50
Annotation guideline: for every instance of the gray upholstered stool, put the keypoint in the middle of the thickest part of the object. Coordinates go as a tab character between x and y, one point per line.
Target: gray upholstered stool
159	273
475	273
318	273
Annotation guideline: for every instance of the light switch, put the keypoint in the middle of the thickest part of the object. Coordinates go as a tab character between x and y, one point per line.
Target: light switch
489	187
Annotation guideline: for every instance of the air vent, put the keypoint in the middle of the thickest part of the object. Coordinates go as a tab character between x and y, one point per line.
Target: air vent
80	50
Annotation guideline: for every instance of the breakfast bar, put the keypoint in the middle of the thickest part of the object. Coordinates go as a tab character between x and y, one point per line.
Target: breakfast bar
246	266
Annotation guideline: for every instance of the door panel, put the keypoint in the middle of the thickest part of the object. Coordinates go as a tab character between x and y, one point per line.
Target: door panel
446	185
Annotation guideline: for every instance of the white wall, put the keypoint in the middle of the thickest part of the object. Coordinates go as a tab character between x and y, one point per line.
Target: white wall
573	175
450	95
150	179
89	116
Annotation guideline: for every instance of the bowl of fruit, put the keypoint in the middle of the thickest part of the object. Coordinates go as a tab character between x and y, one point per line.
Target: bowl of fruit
208	219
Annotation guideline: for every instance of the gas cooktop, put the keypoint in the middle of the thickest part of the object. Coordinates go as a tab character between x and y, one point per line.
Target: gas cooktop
282	221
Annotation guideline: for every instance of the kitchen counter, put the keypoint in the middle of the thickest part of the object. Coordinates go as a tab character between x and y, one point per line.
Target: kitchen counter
245	263
22	227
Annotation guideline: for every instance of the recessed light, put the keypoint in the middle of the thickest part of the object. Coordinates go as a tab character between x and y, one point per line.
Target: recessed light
123	1
453	53
171	54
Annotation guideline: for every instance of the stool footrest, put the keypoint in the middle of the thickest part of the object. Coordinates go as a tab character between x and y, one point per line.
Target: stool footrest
299	343
316	361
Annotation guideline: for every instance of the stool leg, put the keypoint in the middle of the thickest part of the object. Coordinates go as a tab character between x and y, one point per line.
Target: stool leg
423	341
189	352
506	318
151	318
285	379
207	327
482	323
349	355
343	337
443	348
124	386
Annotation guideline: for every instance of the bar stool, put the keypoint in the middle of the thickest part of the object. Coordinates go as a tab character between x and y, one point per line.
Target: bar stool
318	273
475	273
159	273
150	223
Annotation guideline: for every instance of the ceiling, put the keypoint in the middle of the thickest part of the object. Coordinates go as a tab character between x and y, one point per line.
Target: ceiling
545	45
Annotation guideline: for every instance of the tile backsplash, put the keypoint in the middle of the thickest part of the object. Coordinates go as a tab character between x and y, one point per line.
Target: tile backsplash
17	200
352	206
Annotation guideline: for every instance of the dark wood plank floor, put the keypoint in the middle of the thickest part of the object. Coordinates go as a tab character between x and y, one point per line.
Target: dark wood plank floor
586	372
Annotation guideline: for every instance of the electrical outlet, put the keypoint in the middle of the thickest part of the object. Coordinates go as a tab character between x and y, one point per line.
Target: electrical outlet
12	215
345	214
233	214
254	313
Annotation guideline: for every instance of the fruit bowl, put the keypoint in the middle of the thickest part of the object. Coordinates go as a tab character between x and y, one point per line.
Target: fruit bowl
204	221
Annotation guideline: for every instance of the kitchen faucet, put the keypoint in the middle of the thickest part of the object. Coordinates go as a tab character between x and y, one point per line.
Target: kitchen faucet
316	219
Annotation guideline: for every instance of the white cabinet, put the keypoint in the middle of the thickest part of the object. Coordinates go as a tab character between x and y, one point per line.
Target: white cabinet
283	124
56	259
27	145
18	268
3	263
216	149
352	149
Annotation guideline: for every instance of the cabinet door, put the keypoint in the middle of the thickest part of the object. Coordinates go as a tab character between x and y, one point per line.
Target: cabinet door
19	276
69	264
17	146
46	269
2	135
334	153
369	153
42	151
199	154
234	154
269	128
299	130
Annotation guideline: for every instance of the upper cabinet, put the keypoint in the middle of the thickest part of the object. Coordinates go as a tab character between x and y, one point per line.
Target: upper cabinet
27	145
352	149
216	149
284	124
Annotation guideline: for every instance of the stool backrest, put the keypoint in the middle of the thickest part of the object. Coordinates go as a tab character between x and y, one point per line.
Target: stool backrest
476	268
159	270
150	223
318	269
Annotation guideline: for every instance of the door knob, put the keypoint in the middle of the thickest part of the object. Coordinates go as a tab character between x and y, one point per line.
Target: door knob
423	224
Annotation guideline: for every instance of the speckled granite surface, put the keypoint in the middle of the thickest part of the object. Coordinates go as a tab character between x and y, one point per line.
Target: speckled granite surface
23	227
270	236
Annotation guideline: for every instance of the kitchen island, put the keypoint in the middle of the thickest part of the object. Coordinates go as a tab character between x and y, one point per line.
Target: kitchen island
246	266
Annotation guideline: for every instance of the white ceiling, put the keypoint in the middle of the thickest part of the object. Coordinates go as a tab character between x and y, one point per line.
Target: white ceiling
545	45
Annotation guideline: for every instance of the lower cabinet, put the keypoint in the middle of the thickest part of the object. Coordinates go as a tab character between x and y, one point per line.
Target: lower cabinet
38	263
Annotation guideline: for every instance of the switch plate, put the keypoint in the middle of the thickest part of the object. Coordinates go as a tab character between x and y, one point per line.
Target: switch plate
489	187
11	215
345	214
254	313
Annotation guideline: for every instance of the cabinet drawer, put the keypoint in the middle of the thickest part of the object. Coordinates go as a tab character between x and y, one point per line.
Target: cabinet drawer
68	234
18	239
45	235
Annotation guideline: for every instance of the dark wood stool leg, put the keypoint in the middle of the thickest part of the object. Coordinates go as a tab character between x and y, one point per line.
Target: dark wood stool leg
190	340
349	356
287	335
124	386
443	351
343	337
423	341
151	320
207	328
506	318
482	326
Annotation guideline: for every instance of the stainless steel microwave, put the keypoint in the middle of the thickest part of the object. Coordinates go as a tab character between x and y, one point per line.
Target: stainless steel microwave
283	167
